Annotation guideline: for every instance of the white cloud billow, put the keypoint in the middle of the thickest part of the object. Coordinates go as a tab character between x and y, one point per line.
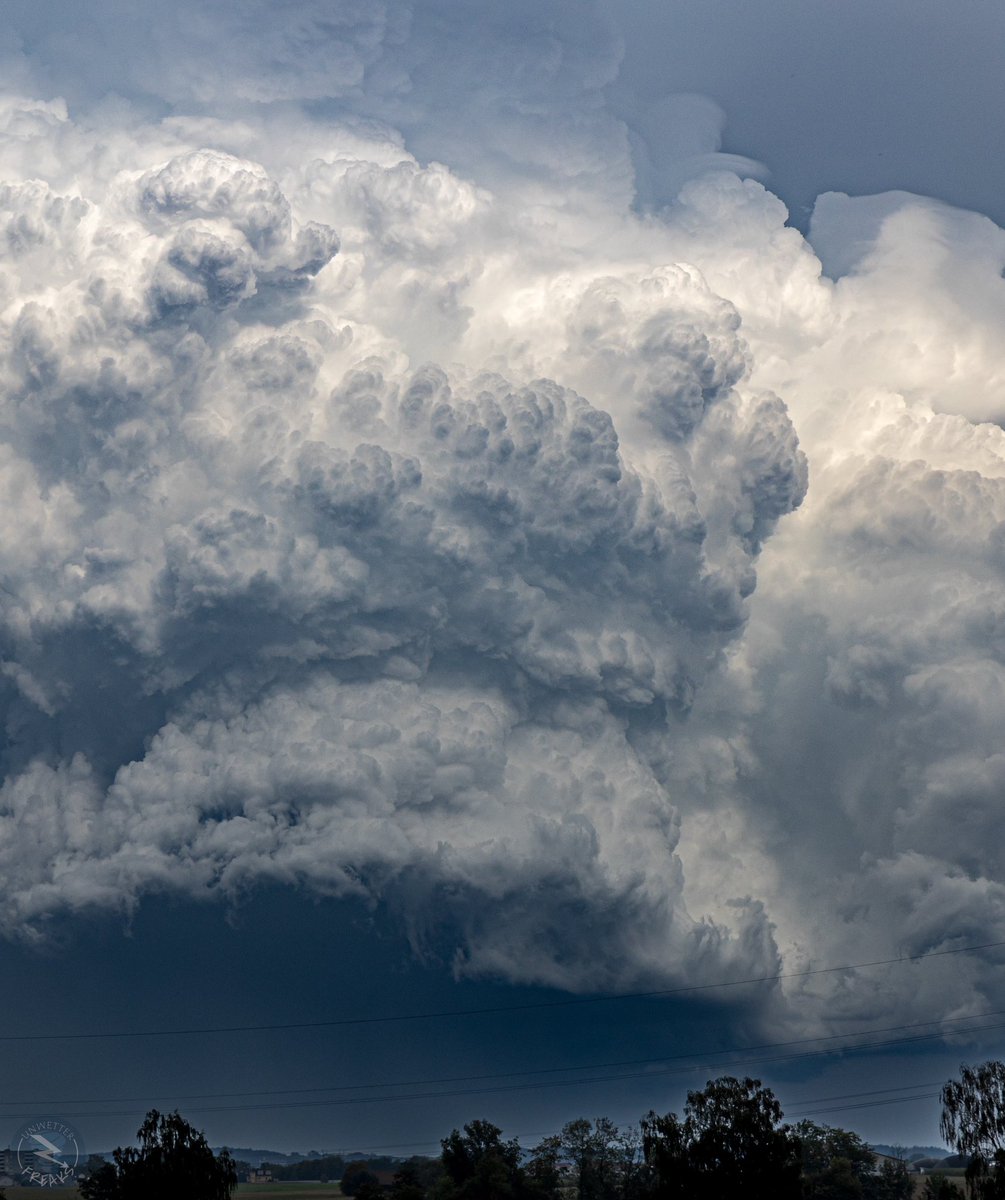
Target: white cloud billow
409	531
284	603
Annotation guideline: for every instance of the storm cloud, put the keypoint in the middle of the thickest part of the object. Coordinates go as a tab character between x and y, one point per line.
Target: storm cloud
582	575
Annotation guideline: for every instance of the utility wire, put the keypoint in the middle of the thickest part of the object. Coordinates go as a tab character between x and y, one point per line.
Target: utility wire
494	1009
907	1087
841	1108
433	1142
652	1062
685	1068
813	1111
788	1110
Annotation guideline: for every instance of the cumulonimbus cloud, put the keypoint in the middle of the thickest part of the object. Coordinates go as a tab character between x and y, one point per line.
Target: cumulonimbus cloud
407	533
283	603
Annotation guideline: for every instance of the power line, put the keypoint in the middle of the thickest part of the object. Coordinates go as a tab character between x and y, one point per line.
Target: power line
491	1010
857	1096
681	1068
433	1141
796	1104
814	1111
862	1097
652	1061
906	1087
841	1108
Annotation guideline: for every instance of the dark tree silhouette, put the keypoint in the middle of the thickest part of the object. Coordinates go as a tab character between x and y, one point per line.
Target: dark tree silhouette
938	1187
729	1143
545	1166
973	1122
837	1164
891	1182
172	1160
357	1178
407	1183
599	1159
479	1165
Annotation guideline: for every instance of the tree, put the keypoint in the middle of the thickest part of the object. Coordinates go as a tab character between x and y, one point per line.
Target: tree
94	1163
479	1165
356	1178
586	1148
729	1143
172	1160
838	1181
603	1160
101	1183
891	1183
938	1187
424	1173
836	1164
546	1166
592	1160
407	1185
973	1121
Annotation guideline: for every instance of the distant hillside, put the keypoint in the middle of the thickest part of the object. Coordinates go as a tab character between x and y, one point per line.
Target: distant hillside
911	1152
255	1158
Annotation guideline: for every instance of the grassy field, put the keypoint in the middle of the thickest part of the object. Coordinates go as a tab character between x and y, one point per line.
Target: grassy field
953	1174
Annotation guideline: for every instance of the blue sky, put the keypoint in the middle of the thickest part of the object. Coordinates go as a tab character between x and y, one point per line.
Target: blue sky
508	507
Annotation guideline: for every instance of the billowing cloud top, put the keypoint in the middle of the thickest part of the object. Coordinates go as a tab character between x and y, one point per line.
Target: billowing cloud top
412	531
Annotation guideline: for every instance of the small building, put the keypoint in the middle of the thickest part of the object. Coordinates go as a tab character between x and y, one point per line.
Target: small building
880	1160
259	1175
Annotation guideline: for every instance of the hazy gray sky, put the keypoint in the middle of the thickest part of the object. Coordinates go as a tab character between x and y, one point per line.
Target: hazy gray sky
857	96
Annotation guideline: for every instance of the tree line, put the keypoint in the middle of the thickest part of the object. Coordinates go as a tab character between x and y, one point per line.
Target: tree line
728	1142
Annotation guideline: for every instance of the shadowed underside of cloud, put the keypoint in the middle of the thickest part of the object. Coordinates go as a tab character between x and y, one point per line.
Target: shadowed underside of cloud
412	531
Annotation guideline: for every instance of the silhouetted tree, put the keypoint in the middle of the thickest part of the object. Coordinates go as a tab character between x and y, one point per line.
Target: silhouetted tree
172	1160
356	1178
94	1163
938	1187
479	1165
892	1182
836	1164
973	1121
407	1184
603	1160
728	1144
327	1166
544	1169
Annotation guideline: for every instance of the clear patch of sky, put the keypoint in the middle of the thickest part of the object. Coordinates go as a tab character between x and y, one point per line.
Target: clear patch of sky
859	97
